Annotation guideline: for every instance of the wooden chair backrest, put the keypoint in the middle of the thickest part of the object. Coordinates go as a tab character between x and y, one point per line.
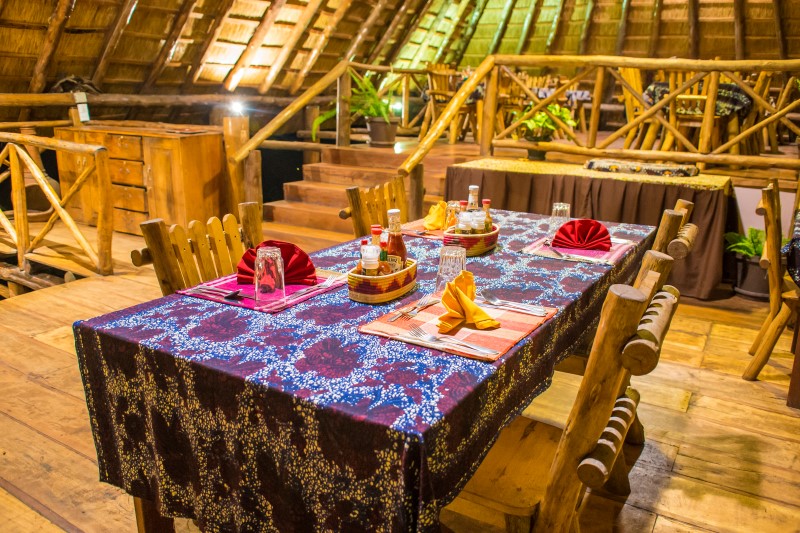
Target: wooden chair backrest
633	108
675	235
369	206
625	316
770	208
440	82
184	257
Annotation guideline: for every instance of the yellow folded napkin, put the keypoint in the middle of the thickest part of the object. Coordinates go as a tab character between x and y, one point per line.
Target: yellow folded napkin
458	300
435	218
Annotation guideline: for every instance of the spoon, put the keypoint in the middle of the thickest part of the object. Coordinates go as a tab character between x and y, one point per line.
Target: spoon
494	300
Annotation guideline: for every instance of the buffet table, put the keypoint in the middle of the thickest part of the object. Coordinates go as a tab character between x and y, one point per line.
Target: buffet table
533	186
249	421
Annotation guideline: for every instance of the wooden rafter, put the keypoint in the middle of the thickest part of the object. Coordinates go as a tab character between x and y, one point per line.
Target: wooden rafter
422	49
586	27
780	34
398	45
655	28
456	28
376	12
531	16
322	41
309	12
267	21
508	8
694	22
112	38
398	21
458	54
738	28
213	34
551	36
167	49
622	27
55	28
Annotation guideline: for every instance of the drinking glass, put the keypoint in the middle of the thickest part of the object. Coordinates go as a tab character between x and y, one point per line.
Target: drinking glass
558	216
452	260
268	278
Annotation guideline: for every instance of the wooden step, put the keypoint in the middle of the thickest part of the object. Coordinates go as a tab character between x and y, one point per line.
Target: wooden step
308	239
347	175
384	158
315	192
307	215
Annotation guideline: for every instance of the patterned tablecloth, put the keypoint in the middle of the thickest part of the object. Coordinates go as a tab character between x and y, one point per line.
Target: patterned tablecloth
730	98
295	421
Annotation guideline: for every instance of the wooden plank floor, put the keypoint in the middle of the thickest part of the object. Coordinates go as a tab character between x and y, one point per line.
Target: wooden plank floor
722	454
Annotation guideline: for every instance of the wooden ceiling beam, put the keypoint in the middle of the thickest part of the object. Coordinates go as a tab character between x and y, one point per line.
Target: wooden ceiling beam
738	29
300	26
531	16
248	54
376	12
466	37
583	45
414	22
112	38
214	31
622	27
505	15
422	49
400	16
458	27
655	28
55	28
694	22
322	42
551	36
780	33
176	29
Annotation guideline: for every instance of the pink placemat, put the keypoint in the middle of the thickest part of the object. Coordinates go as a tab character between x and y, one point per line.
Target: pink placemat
416	228
246	292
541	248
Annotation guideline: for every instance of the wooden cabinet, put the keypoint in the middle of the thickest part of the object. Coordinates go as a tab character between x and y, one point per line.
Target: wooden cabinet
175	174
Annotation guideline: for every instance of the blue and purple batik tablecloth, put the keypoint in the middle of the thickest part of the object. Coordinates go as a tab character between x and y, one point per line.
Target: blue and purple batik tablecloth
295	421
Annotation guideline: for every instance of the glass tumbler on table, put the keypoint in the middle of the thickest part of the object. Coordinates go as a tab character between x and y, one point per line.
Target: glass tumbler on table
558	216
452	260
268	278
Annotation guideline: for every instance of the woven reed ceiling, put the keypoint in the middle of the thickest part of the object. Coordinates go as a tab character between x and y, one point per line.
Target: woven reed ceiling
281	46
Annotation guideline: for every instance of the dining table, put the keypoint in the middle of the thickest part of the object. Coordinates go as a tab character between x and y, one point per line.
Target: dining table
297	420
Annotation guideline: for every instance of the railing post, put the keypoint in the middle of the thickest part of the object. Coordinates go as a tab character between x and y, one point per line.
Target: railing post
707	126
597	104
406	96
105	220
20	206
416	197
489	112
310	114
343	94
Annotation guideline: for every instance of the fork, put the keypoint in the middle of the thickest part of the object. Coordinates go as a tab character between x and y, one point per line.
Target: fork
421	334
424	302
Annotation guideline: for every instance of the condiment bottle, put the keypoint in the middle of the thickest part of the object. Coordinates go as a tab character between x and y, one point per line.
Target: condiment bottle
464	225
472	202
375	231
359	266
488	219
463	204
478	222
397	248
370	260
383	260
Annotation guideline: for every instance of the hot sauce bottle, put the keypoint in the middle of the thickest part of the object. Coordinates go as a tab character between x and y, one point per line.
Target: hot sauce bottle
472	202
397	253
383	260
488	224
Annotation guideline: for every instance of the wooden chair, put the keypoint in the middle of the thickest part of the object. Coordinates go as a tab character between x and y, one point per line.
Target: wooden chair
540	468
784	294
755	144
645	135
442	83
675	235
368	206
207	251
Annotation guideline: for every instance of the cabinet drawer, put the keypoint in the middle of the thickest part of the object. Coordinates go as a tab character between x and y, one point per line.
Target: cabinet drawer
119	146
128	221
131	198
126	172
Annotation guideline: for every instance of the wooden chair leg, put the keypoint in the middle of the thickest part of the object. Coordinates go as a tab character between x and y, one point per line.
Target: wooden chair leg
770	339
635	436
630	138
148	519
650	136
760	335
618	482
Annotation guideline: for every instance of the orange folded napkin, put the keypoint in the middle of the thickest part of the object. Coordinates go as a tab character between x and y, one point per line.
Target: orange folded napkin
435	218
583	234
297	266
458	301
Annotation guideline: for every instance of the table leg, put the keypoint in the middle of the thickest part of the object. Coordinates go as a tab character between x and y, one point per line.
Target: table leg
148	520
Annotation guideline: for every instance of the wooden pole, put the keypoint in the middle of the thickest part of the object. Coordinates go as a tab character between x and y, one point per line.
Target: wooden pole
310	114
55	28
213	32
622	27
236	131
398	46
112	38
553	33
597	103
763	103
398	21
655	28
585	29
417	188
168	48
531	16
463	43
694	22
299	28
322	41
673	63
105	214
248	54
422	49
343	94
738	29
707	126
489	112
457	26
20	207
780	33
505	15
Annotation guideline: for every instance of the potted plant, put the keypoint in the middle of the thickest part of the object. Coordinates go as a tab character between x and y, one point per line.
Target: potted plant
541	127
365	101
751	279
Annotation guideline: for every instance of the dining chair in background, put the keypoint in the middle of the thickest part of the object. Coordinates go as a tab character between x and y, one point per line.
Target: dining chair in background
538	471
369	205
442	86
184	257
646	135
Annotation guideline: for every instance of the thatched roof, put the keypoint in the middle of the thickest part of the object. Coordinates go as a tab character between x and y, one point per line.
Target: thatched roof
195	46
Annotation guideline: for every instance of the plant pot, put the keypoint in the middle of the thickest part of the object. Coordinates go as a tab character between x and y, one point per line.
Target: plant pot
382	133
751	279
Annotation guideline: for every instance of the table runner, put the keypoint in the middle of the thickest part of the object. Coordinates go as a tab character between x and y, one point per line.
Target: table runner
249	421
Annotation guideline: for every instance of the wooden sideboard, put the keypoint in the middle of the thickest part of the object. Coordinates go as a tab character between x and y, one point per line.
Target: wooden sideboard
172	173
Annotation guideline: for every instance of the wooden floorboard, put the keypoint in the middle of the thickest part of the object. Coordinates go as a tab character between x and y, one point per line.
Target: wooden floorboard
722	454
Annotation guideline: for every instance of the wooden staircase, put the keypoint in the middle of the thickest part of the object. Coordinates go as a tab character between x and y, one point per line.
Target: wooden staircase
309	212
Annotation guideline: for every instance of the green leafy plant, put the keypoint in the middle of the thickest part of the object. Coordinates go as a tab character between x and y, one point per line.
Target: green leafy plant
750	245
364	100
540	127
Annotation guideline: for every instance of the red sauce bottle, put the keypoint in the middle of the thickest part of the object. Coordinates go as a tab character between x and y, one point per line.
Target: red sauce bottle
397	248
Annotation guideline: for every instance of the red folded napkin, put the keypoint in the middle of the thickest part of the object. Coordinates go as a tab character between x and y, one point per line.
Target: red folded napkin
297	266
583	234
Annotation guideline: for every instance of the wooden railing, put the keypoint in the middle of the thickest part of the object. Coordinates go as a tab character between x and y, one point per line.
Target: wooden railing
599	69
18	160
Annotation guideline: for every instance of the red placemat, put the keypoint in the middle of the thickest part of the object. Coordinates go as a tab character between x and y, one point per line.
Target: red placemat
617	251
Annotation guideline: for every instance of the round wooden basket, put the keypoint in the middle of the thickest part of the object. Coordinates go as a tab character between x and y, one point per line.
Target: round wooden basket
477	244
380	289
